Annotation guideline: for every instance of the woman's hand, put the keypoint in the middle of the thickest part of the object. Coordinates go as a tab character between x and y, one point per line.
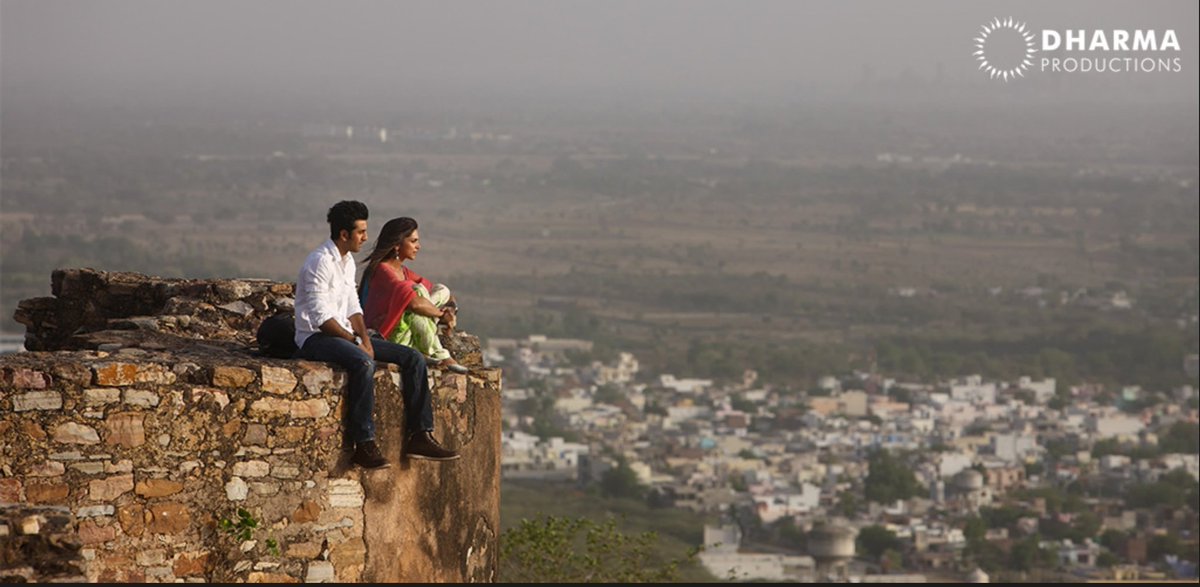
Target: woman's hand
449	316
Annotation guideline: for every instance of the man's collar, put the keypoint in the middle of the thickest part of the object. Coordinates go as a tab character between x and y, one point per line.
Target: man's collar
332	246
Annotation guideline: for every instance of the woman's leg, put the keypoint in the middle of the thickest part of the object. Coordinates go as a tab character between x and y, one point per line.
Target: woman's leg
440	295
422	330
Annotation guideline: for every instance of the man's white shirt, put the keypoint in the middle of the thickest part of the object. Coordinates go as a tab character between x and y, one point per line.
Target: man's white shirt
325	289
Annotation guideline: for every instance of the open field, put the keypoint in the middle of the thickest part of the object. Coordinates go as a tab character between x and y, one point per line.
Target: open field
655	238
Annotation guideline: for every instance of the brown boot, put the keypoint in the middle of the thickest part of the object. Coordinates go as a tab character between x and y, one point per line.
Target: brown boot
367	456
421	445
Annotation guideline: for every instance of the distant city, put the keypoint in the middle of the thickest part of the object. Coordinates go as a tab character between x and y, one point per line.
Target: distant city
1021	475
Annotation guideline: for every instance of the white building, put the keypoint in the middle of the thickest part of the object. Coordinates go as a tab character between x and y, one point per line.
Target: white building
622	371
1114	424
685	385
1013	447
972	389
951	463
721	558
1042	390
772	506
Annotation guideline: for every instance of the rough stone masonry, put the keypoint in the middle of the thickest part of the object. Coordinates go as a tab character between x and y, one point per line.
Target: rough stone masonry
144	439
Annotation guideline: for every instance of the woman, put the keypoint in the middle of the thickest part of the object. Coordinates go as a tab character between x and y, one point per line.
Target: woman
402	306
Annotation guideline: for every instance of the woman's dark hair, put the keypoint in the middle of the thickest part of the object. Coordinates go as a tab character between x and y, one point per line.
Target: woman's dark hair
392	234
343	215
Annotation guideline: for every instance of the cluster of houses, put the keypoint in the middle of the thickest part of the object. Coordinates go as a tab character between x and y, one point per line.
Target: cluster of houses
748	449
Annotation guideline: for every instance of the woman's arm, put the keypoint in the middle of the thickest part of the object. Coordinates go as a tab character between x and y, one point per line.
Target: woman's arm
424	307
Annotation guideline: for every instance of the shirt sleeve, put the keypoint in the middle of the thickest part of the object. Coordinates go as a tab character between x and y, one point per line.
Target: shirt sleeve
352	291
319	281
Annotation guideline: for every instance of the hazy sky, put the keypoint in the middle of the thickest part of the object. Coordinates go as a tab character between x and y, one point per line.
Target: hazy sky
395	48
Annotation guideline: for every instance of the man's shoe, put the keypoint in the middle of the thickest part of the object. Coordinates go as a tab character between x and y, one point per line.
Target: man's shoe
421	445
367	456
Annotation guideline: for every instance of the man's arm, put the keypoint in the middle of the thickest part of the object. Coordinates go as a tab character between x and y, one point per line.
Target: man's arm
360	328
363	340
332	328
318	305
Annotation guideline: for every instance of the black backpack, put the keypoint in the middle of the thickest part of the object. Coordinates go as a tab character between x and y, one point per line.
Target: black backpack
277	336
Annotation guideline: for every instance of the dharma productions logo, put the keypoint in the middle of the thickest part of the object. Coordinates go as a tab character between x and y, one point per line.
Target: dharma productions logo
1005	48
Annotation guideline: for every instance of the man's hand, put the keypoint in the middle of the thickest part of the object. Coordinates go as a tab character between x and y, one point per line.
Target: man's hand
364	337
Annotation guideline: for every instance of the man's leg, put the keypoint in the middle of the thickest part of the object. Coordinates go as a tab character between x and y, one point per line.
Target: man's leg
359	422
418	400
414	378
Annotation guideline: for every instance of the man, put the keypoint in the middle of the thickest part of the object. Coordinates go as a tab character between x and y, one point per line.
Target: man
330	328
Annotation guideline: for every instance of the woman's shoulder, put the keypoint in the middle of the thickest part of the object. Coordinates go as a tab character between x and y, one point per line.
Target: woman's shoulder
409	274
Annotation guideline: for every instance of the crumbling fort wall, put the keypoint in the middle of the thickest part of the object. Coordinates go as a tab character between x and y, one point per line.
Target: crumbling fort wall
145	439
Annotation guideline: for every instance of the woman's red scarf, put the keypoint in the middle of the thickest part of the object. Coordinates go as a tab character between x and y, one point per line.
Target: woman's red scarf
389	292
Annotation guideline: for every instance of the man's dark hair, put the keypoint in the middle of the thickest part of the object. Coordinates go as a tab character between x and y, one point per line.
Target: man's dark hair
343	215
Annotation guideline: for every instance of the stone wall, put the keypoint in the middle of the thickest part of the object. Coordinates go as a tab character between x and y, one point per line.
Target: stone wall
163	422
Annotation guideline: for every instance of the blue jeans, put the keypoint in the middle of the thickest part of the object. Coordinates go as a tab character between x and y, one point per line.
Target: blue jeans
359	421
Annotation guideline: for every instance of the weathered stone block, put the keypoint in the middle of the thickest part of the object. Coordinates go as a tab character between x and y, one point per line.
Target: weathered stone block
345	493
37	400
142	398
285	471
231	428
10	490
190	564
264	487
209	397
168	518
262	577
277	380
304	550
290	435
72	373
88	468
33	430
72	433
236	377
26	378
100	396
236	489
350	552
110	488
308	511
151	557
115	374
319	572
91	532
30	525
310	408
126	429
47	469
255	434
47	492
132	518
119	569
317	378
92	511
251	469
157	487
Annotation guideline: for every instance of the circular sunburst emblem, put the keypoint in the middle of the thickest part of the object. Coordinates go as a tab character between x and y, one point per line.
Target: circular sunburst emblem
1009	52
